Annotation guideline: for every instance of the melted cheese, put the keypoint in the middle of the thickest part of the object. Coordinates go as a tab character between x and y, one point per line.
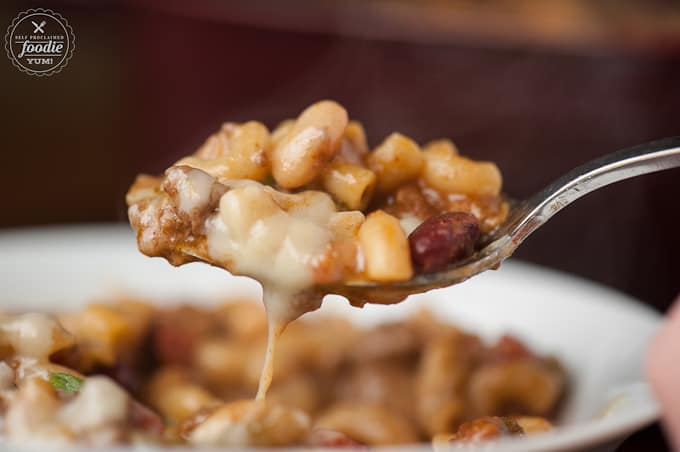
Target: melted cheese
251	423
275	238
33	335
194	189
99	403
270	236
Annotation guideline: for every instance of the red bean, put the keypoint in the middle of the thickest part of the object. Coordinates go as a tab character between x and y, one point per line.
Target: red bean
176	333
507	349
443	239
143	418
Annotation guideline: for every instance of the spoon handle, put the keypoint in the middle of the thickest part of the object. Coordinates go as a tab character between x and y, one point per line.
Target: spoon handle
634	161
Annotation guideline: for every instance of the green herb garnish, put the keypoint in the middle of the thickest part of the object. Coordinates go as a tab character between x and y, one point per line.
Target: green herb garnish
65	382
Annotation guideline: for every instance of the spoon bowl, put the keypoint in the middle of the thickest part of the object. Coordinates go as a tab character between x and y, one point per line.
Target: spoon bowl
525	218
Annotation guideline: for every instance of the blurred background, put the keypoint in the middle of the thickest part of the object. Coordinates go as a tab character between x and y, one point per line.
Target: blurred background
537	86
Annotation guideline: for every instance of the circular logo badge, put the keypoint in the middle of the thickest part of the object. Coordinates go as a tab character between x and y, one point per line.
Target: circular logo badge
39	42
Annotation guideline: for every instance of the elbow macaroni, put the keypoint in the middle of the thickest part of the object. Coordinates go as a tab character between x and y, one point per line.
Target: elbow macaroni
176	397
385	248
396	161
312	141
448	172
350	184
237	151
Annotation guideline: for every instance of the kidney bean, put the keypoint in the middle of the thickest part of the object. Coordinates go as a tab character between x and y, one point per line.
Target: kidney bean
142	418
176	332
507	349
443	239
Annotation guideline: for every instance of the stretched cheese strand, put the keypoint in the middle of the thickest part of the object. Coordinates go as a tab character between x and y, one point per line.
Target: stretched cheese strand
274	333
282	306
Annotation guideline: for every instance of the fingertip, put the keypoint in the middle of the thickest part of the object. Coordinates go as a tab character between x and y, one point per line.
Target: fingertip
662	370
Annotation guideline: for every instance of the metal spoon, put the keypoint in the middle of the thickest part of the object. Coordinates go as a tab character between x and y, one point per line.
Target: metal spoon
526	217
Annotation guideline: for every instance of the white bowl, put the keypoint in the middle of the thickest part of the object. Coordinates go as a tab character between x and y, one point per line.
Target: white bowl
600	335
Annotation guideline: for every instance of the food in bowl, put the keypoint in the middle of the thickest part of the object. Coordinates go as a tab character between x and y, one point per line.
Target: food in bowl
128	371
308	206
